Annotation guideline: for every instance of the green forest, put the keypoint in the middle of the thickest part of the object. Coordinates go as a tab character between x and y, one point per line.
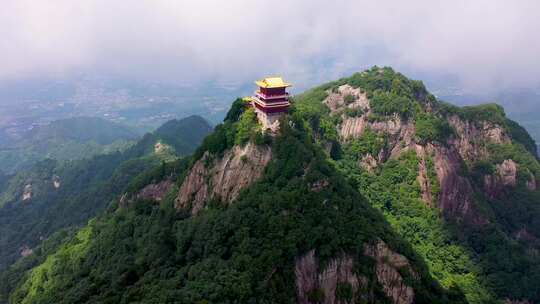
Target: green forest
86	187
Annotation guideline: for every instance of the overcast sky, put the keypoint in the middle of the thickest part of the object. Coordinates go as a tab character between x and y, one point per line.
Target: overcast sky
485	43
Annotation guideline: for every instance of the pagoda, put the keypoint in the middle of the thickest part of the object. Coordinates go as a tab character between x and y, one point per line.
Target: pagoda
270	101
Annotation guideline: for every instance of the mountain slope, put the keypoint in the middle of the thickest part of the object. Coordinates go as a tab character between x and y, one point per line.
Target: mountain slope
66	139
295	232
373	191
460	184
54	195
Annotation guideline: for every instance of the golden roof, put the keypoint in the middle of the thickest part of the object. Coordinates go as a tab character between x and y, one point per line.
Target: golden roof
272	82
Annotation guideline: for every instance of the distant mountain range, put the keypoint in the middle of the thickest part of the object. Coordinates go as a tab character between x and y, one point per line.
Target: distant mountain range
66	139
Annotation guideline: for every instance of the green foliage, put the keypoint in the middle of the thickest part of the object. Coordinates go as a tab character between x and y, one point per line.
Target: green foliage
167	170
231	133
388	103
528	164
241	254
238	107
354	112
248	127
520	135
480	169
369	143
344	291
430	128
17	272
4	179
184	134
389	92
86	188
433	179
316	295
309	109
490	112
38	285
395	191
349	98
217	142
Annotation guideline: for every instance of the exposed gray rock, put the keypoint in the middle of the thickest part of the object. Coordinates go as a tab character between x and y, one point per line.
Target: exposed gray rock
222	178
388	264
505	176
471	137
309	278
155	192
340	270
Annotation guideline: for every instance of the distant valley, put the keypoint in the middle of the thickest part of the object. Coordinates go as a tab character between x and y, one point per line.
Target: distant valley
143	106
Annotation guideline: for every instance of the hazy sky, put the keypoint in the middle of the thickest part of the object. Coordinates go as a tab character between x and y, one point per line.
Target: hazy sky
486	43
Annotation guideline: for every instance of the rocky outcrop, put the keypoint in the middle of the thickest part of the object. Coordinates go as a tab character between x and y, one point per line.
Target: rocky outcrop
319	185
353	127
505	176
155	192
336	100
27	193
524	235
368	162
467	145
56	181
26	251
401	140
387	270
456	197
222	178
423	177
471	137
337	103
315	285
311	282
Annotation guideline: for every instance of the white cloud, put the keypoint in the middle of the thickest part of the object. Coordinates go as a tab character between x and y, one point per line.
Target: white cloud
485	43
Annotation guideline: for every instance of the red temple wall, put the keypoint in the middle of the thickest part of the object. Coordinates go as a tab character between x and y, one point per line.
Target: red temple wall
272	109
273	91
271	101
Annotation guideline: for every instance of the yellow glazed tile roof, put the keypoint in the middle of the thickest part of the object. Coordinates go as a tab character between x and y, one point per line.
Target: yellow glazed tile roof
272	82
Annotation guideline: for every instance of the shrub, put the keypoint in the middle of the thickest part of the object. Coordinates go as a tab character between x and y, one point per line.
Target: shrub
354	112
431	128
349	98
248	126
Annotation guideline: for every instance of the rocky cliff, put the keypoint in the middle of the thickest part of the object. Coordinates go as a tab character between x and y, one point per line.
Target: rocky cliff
222	178
339	282
468	144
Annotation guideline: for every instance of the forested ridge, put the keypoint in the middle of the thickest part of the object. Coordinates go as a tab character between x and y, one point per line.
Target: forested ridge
60	195
246	252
